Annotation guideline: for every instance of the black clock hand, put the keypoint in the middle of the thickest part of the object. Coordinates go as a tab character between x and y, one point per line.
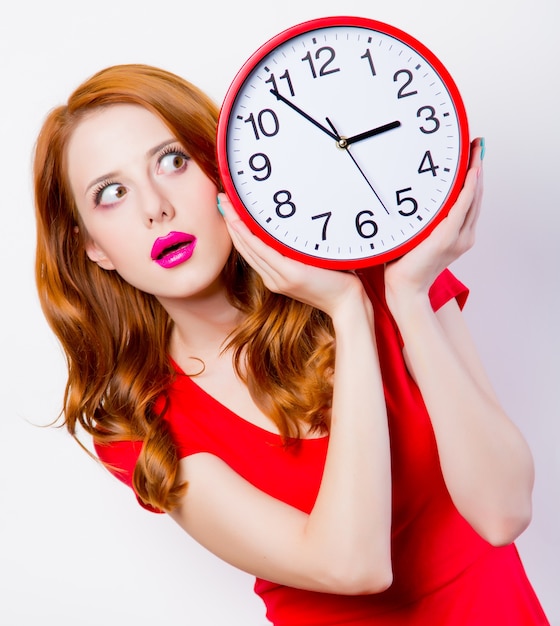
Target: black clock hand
339	139
303	114
345	142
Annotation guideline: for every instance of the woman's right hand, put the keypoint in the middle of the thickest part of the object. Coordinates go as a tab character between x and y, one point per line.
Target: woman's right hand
323	289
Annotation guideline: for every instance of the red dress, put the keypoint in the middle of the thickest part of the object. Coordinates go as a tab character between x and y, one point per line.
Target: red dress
445	574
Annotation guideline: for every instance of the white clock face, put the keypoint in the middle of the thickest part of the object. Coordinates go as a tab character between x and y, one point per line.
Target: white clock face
343	143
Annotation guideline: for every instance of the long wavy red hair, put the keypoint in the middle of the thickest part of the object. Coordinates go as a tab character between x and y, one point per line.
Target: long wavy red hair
115	337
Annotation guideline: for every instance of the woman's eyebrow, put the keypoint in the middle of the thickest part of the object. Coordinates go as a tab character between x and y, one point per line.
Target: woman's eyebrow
160	146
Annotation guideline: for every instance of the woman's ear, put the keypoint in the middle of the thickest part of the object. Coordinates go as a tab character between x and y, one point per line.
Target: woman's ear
96	254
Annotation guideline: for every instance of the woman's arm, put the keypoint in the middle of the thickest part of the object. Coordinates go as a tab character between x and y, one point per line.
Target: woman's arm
343	545
485	461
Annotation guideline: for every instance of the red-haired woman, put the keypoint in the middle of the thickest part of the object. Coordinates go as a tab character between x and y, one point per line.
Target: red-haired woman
336	438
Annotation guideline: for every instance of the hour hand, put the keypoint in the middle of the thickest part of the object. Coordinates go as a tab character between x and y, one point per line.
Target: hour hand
344	142
303	114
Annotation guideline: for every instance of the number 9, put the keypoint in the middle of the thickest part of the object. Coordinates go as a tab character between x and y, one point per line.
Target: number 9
265	167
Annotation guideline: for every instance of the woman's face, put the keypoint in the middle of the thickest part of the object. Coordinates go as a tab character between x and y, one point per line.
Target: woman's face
148	209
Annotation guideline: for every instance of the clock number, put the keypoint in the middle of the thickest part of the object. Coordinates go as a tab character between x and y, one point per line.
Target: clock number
430	118
402	93
400	200
366	228
427	165
287	202
323	71
259	123
367	55
266	167
285	76
327	217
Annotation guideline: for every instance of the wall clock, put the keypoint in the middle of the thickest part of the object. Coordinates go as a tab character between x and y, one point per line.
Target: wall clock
342	142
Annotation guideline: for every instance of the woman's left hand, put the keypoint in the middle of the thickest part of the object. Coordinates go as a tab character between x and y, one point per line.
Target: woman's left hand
415	272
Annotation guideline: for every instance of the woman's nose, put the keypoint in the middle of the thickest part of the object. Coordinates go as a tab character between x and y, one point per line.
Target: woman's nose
157	206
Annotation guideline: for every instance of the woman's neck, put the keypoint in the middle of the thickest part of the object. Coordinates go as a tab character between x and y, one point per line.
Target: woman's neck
201	324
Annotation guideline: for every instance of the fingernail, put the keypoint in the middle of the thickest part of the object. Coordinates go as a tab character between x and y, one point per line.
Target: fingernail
482	148
220	207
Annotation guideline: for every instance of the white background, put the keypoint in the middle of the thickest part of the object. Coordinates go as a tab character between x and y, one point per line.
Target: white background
75	549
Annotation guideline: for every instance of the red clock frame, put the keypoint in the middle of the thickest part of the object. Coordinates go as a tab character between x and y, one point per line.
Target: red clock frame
256	58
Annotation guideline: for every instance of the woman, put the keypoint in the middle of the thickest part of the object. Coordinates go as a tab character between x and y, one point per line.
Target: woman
334	436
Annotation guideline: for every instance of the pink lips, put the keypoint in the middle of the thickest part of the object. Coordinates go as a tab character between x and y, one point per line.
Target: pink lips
173	249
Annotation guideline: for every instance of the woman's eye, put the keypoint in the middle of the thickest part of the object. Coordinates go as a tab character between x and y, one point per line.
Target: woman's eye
172	162
110	194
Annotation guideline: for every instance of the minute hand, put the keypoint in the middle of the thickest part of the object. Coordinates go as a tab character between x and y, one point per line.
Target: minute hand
303	114
369	133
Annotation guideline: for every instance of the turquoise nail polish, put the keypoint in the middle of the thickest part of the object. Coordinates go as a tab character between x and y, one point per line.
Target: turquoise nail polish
482	148
220	207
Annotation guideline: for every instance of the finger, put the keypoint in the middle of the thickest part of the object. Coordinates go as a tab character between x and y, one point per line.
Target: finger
474	212
471	193
459	212
477	154
477	151
241	238
238	231
272	266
